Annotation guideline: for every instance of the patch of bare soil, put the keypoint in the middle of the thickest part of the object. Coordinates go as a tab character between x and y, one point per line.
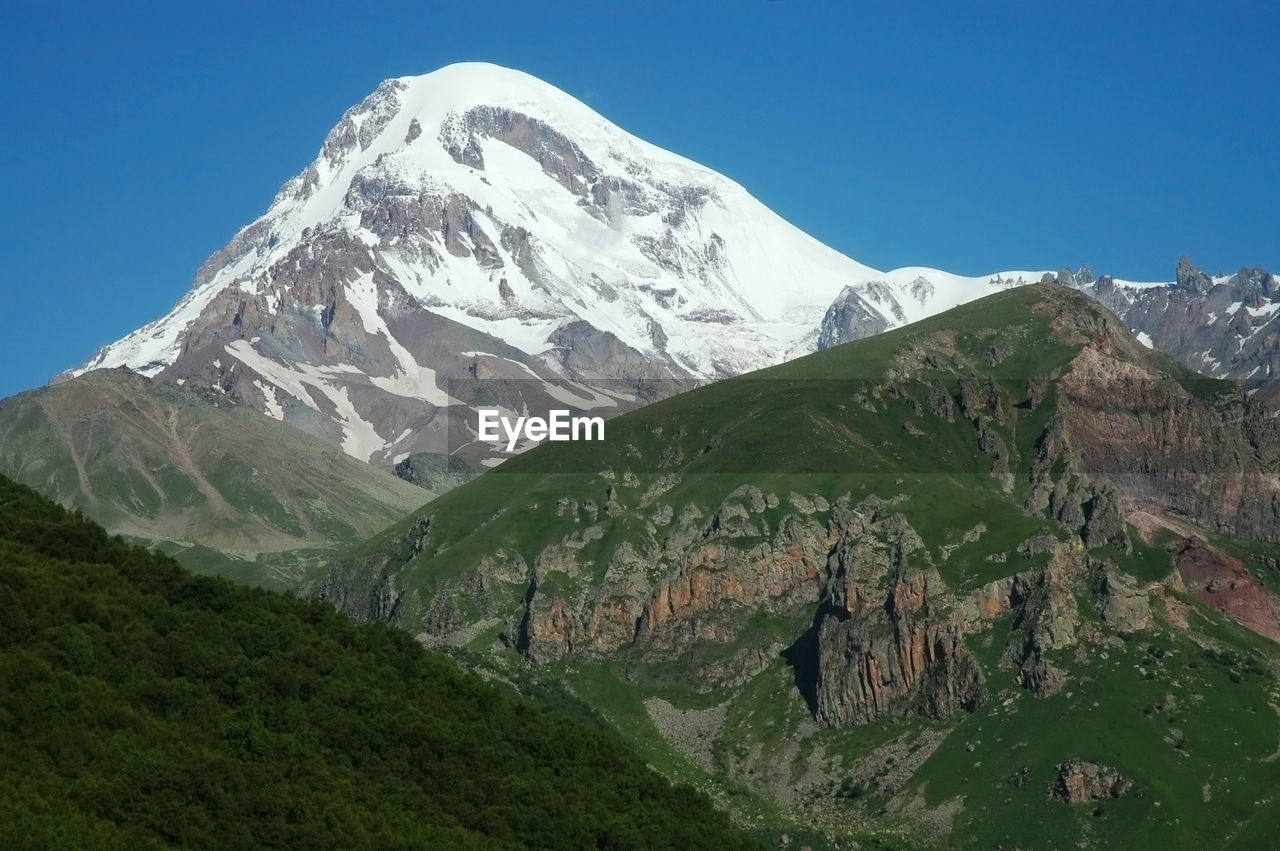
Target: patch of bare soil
1222	582
1149	519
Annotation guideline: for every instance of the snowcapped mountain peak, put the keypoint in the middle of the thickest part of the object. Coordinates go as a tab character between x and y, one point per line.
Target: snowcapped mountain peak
477	222
431	122
457	88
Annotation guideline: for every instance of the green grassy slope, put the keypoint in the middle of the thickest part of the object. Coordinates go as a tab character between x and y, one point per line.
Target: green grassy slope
1165	706
224	489
826	423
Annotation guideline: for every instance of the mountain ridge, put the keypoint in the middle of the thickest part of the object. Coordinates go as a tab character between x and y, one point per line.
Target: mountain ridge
842	569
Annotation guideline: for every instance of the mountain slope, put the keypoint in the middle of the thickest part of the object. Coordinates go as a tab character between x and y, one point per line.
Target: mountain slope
993	578
147	708
221	486
476	223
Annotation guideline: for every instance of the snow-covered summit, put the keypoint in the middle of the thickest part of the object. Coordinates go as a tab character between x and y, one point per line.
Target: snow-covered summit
476	221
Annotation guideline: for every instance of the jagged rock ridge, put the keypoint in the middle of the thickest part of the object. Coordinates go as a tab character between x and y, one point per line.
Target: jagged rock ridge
1223	326
886	627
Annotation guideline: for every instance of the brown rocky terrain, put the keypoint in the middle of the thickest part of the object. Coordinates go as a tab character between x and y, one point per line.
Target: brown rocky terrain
1210	460
1221	581
887	637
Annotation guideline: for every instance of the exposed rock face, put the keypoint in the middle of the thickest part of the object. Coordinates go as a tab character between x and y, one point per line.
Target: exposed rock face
887	639
849	318
1213	461
1225	328
894	659
1191	278
893	652
1080	781
1046	616
780	577
433	472
1124	428
582	349
1123	605
558	155
886	635
697	601
373	593
362	387
1104	521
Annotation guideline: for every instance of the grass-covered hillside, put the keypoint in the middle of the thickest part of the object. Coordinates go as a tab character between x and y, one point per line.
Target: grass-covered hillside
144	707
223	488
985	581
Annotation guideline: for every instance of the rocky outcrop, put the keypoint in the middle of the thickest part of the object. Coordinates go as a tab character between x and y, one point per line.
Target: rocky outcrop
888	653
1224	328
1191	278
582	349
1080	781
939	402
780	576
550	630
888	637
365	592
1104	523
849	318
896	660
1255	279
434	472
558	155
1046	617
1122	604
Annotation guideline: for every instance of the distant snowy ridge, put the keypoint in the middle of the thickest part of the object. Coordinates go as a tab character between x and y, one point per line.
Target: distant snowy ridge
1224	326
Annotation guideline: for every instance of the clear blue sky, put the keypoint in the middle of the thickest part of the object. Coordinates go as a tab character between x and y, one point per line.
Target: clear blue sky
969	136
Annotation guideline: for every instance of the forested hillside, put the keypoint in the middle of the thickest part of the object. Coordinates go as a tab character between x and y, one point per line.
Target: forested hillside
142	706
